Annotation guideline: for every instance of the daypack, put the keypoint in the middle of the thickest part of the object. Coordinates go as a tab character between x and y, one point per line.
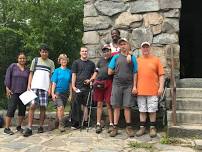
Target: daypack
1	122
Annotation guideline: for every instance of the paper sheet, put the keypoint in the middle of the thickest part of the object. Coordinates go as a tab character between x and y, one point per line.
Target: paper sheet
27	96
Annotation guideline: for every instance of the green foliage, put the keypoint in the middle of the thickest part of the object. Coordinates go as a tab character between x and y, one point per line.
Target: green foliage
25	24
137	145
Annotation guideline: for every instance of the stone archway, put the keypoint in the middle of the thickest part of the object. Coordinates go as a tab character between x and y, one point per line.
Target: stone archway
190	39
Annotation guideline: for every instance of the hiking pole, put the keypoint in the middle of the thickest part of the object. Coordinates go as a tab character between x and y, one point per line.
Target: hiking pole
90	109
87	102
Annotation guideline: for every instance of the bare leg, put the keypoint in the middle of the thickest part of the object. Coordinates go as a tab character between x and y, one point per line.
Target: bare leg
31	115
127	114
110	113
8	121
20	120
116	115
42	115
99	111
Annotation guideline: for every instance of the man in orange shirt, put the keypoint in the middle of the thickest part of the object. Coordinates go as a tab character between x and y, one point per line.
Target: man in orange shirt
150	80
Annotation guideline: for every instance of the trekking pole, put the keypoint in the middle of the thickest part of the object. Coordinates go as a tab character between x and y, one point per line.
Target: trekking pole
87	102
90	109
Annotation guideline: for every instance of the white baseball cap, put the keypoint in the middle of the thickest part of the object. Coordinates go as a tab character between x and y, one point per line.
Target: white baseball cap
145	43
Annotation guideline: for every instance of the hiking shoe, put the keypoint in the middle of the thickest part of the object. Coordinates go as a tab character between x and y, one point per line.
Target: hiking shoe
140	132
61	127
19	129
8	131
152	132
98	129
28	132
130	131
85	124
40	130
114	132
110	128
75	126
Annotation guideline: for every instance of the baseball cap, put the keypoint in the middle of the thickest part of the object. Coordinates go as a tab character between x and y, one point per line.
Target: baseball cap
122	39
145	43
106	47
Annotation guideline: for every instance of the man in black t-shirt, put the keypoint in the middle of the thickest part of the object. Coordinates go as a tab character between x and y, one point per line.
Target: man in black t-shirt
83	73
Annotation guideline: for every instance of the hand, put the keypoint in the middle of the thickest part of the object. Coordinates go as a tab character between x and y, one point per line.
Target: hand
28	88
74	89
70	98
160	91
54	96
87	81
128	58
8	92
134	90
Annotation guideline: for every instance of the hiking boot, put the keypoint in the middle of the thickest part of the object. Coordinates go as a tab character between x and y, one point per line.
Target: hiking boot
114	132
140	132
130	131
152	132
28	132
75	126
110	128
8	131
85	124
98	129
19	129
40	130
61	127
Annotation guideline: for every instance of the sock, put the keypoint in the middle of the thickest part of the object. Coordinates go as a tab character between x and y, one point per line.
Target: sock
142	124
98	123
111	124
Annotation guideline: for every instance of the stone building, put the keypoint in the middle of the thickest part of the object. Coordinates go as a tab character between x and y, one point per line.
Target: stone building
163	23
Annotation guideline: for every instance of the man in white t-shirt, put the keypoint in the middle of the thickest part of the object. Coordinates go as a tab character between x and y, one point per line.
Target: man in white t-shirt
115	34
39	81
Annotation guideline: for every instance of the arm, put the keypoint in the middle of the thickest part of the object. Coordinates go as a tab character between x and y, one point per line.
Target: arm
8	81
134	90
112	65
161	84
70	92
110	71
74	82
54	96
30	80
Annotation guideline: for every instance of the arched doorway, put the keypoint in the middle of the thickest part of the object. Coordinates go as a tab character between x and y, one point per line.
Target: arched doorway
191	39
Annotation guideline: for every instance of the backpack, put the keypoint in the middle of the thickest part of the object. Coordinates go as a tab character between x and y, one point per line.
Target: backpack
35	63
1	121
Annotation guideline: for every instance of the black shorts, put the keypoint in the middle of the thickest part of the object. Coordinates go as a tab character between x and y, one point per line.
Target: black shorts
13	103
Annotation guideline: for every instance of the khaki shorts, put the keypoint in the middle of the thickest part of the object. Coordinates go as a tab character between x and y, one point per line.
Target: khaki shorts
147	103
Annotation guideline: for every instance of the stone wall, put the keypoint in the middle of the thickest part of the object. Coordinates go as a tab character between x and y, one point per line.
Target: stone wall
156	21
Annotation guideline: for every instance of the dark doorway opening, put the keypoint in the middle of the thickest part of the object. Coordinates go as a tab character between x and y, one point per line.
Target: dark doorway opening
191	39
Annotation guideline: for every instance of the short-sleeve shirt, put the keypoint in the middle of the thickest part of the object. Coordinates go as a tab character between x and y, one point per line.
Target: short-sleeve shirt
102	68
42	72
16	80
83	70
124	71
62	78
149	70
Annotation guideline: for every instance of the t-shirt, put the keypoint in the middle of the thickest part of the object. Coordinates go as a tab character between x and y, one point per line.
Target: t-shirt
84	70
102	68
16	80
114	50
42	72
124	71
149	70
62	78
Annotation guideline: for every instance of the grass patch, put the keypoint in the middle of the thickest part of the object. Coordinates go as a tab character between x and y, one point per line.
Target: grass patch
173	141
137	145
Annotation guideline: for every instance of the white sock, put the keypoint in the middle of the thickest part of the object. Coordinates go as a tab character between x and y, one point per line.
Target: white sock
98	123
111	124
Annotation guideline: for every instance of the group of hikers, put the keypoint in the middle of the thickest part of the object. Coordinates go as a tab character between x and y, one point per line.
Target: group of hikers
118	79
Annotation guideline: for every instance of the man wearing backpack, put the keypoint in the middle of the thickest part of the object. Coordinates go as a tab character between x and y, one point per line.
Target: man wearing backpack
123	85
39	81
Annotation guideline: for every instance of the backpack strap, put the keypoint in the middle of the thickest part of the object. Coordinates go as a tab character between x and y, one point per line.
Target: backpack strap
35	63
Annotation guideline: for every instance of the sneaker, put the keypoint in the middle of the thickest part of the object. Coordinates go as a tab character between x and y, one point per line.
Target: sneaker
130	131
85	123
40	130
28	132
114	132
152	132
98	129
8	131
19	129
75	126
110	128
140	132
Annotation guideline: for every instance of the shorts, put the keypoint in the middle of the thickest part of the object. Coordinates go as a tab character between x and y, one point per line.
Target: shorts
42	97
13	103
122	96
61	99
102	95
147	103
